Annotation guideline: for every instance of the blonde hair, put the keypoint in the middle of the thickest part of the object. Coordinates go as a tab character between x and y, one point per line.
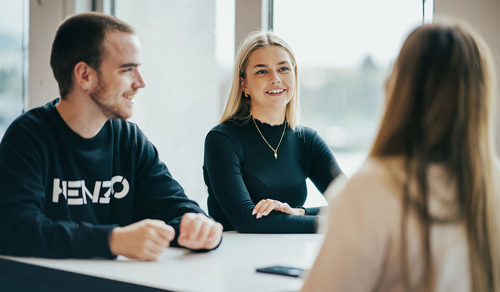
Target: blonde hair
439	109
238	106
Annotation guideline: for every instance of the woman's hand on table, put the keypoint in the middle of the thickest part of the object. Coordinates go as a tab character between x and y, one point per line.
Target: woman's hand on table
264	207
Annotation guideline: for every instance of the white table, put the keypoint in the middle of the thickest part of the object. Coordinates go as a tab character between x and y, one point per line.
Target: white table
230	268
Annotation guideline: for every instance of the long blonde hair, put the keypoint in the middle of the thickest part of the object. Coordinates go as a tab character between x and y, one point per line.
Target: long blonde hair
238	106
439	109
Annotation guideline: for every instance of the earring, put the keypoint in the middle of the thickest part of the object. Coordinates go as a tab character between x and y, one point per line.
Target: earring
246	95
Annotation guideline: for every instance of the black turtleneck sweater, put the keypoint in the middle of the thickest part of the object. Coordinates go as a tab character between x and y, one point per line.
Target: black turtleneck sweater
240	170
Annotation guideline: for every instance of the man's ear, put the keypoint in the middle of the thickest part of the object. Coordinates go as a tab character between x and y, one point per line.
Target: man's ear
84	76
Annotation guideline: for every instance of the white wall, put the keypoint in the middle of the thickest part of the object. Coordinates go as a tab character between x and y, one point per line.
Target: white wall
484	17
44	17
179	104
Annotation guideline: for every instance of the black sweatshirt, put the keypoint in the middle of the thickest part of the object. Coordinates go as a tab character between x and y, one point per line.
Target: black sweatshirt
240	170
61	194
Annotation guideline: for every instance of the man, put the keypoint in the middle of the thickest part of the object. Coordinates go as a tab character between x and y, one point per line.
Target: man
76	179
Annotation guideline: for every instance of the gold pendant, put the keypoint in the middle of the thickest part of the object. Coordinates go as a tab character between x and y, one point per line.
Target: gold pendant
275	155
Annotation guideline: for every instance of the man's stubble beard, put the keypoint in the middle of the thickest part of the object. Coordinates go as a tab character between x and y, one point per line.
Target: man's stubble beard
110	113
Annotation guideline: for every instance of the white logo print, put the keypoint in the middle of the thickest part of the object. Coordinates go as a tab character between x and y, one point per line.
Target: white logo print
76	192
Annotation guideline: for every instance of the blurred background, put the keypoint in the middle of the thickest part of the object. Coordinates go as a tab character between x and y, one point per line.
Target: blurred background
344	51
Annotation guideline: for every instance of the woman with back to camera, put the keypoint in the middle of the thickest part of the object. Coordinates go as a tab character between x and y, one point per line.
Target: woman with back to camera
422	212
257	159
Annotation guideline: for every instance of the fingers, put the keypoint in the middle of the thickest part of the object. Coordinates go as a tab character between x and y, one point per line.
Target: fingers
189	228
143	240
154	248
164	231
271	206
264	207
199	232
214	236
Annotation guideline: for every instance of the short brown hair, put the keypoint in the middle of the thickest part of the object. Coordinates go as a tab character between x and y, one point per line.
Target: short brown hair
80	38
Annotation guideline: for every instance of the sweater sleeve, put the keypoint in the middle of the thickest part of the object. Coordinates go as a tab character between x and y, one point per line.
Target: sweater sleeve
354	252
25	230
158	194
323	167
222	164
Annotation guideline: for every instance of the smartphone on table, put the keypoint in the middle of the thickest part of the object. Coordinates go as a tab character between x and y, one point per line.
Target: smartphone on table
282	270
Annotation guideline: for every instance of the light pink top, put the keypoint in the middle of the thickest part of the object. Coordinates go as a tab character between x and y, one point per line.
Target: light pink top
362	246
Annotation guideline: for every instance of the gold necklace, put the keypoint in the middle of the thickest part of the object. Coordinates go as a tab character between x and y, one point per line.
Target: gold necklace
274	150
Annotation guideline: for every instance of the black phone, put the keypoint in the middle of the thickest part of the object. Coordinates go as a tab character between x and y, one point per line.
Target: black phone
281	270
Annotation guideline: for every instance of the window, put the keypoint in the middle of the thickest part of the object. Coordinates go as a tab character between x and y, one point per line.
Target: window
344	50
187	56
13	27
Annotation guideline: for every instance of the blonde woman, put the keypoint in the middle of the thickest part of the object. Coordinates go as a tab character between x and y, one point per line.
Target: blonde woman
422	212
257	159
